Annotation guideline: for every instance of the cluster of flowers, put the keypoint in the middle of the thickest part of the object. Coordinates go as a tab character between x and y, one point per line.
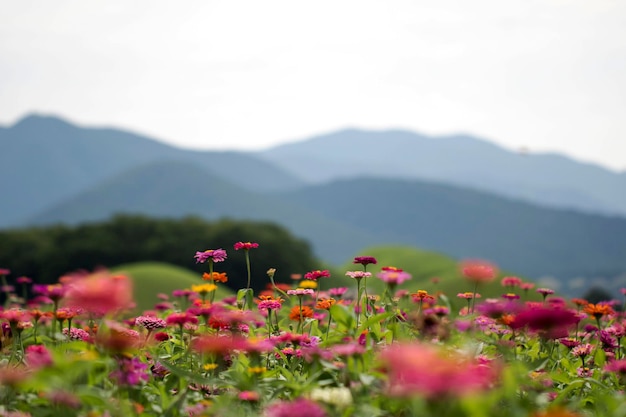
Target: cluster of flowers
78	346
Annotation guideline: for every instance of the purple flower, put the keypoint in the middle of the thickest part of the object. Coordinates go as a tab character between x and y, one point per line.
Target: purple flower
214	255
130	371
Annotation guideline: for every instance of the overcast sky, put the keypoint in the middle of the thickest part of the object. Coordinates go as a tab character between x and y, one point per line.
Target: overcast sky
546	75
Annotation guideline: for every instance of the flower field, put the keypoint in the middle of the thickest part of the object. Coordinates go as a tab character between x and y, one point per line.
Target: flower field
307	349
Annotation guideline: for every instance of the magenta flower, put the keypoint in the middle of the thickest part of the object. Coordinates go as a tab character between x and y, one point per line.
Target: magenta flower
300	407
337	292
548	321
24	280
215	255
616	366
269	305
4	271
315	275
245	245
130	371
365	260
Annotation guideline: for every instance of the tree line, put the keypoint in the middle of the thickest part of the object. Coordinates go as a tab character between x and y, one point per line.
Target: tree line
47	253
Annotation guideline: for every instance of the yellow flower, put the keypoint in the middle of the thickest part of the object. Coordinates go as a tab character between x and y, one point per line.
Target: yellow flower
209	366
256	369
203	288
308	284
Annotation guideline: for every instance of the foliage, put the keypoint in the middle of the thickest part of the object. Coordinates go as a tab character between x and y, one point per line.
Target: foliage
46	253
297	351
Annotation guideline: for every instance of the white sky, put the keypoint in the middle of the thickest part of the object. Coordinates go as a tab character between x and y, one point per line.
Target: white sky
549	75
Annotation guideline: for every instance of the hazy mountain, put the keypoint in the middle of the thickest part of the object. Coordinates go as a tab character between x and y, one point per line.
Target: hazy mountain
546	179
45	160
521	237
341	218
176	189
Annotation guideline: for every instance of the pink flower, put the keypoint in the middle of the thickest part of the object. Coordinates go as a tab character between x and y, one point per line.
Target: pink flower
245	245
38	356
314	275
24	280
180	319
394	277
4	271
150	322
545	291
251	396
358	274
301	292
337	292
300	407
100	292
77	334
478	271
417	369
511	282
215	255
527	286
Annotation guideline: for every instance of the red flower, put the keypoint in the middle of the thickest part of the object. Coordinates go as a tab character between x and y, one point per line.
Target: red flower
314	275
245	245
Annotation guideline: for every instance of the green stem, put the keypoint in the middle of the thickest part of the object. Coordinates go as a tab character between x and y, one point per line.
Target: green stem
330	320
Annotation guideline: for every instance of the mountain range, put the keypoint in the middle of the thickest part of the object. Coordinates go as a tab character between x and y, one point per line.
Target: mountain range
538	215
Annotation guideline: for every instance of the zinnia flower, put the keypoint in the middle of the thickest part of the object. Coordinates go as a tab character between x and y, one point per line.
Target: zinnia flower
358	274
550	322
365	260
417	369
314	275
100	292
215	277
245	245
297	312
394	277
300	407
214	255
478	271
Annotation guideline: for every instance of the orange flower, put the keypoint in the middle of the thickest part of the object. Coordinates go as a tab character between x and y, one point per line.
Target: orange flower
325	303
580	301
216	277
598	310
296	312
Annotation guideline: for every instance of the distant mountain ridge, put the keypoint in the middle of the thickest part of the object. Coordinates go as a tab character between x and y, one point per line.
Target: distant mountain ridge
547	179
56	172
45	160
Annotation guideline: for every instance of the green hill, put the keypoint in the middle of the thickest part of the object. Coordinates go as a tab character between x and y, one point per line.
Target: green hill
423	266
152	278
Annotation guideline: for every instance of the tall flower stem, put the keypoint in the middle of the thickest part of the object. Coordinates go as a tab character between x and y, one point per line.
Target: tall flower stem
358	302
474	297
